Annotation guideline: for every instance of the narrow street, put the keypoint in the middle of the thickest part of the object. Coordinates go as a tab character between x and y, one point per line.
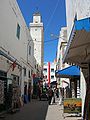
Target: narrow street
40	110
45	54
36	110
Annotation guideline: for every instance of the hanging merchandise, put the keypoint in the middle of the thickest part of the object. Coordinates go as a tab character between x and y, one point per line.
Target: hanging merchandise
16	92
1	92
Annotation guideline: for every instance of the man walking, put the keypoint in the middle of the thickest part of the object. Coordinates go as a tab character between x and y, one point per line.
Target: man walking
50	94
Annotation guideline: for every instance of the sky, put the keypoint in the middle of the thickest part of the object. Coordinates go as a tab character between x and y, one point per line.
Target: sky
53	17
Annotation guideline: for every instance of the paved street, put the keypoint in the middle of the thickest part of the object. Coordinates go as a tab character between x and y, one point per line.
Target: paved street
36	110
39	110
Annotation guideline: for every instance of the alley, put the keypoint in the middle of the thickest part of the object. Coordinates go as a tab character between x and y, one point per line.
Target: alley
45	53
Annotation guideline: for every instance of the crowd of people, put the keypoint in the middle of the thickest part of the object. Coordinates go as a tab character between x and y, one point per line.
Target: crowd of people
51	94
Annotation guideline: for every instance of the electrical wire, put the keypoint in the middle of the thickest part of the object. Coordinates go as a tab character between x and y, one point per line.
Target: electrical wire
52	15
50	40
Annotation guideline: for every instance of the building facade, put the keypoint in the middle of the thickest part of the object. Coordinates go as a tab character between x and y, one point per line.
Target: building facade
16	53
49	72
62	43
78	47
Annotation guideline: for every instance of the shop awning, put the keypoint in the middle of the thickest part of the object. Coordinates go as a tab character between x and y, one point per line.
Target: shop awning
69	72
78	46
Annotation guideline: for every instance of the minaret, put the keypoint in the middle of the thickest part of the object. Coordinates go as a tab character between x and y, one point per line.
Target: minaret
37	34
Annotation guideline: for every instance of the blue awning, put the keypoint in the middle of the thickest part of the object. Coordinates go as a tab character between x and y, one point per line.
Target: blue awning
83	24
69	72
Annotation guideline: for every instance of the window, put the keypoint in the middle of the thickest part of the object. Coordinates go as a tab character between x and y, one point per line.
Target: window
24	71
29	50
46	76
45	70
18	31
29	73
52	70
52	77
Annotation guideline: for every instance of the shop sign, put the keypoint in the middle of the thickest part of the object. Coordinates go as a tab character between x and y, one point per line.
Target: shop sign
72	105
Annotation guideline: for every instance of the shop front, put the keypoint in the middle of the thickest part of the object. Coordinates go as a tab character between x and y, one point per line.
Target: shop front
5	92
10	72
73	74
70	94
78	53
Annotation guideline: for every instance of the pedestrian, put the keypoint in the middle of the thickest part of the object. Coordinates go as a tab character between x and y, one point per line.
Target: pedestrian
60	96
29	93
39	92
53	96
50	94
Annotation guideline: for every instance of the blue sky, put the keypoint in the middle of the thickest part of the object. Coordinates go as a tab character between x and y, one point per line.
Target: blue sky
53	17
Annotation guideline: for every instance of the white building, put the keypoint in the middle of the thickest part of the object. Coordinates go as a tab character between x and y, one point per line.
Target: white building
16	45
78	49
37	34
49	72
62	43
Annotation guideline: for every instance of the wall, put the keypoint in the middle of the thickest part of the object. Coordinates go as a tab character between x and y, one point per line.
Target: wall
52	66
10	16
79	8
8	22
60	54
83	89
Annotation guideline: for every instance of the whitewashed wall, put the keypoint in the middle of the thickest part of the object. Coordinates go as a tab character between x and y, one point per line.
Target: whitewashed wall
52	66
80	8
83	89
62	47
10	16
